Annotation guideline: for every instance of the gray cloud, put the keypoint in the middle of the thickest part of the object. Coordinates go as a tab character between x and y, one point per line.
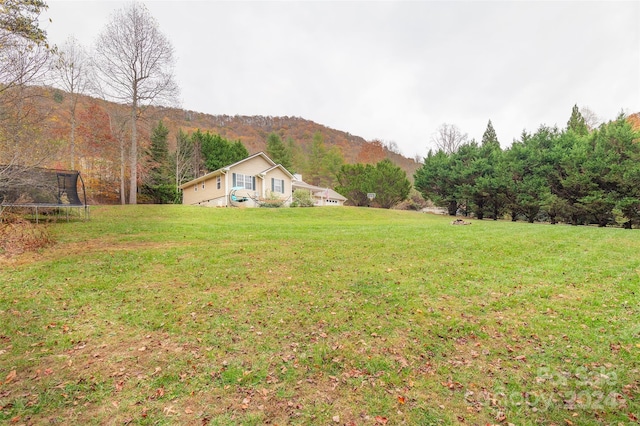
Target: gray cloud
395	70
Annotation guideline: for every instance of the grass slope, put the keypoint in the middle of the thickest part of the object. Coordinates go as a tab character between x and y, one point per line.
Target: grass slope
174	314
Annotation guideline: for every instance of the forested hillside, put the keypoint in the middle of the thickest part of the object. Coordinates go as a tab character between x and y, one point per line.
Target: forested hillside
102	128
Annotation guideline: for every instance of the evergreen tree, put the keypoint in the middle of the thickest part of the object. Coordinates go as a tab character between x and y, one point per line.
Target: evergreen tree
437	181
390	184
217	151
322	165
388	181
158	184
332	162
489	137
298	159
526	169
278	151
315	171
353	183
159	150
577	123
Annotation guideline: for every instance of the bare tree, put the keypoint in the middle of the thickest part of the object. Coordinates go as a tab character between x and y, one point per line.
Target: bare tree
591	119
392	146
448	138
24	59
183	158
72	69
18	31
24	64
134	63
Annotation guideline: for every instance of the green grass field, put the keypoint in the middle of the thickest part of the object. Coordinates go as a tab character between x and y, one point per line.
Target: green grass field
181	315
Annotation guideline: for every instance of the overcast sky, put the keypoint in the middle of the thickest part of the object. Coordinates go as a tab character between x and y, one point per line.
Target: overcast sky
393	70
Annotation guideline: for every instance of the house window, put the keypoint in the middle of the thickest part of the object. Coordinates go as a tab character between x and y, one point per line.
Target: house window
218	182
202	184
277	185
195	187
244	181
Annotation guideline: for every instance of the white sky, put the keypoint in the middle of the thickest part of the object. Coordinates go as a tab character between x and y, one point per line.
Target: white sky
393	70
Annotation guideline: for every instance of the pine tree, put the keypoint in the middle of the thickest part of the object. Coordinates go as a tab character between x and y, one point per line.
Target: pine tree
489	136
158	184
577	123
159	151
278	151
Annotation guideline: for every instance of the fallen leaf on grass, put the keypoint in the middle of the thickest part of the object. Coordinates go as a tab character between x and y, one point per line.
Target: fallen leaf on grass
159	392
10	377
245	403
381	420
402	400
452	385
169	410
336	419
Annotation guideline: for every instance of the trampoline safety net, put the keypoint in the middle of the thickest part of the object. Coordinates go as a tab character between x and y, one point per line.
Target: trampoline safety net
40	187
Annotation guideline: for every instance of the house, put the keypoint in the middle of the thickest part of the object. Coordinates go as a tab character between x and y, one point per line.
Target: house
247	183
321	196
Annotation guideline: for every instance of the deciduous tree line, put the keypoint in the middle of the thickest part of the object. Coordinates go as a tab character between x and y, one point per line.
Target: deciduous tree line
576	175
131	64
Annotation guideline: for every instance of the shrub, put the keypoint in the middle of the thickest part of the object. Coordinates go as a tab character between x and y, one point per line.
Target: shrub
272	200
414	202
18	235
302	198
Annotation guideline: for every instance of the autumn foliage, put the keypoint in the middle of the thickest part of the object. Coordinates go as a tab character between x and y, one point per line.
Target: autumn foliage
103	129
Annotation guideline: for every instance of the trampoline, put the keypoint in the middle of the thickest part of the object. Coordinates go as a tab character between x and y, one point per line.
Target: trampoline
42	190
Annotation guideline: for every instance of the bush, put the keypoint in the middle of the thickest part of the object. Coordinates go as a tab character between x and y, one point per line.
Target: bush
302	198
414	202
18	235
273	200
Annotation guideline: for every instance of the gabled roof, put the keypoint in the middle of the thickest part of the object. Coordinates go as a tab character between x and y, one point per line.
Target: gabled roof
251	157
277	166
225	169
330	194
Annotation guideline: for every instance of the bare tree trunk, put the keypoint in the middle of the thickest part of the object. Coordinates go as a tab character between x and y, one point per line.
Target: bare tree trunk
123	159
73	139
133	156
123	162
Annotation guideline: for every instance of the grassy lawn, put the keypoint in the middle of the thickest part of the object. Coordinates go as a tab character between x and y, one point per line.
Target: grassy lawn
181	315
